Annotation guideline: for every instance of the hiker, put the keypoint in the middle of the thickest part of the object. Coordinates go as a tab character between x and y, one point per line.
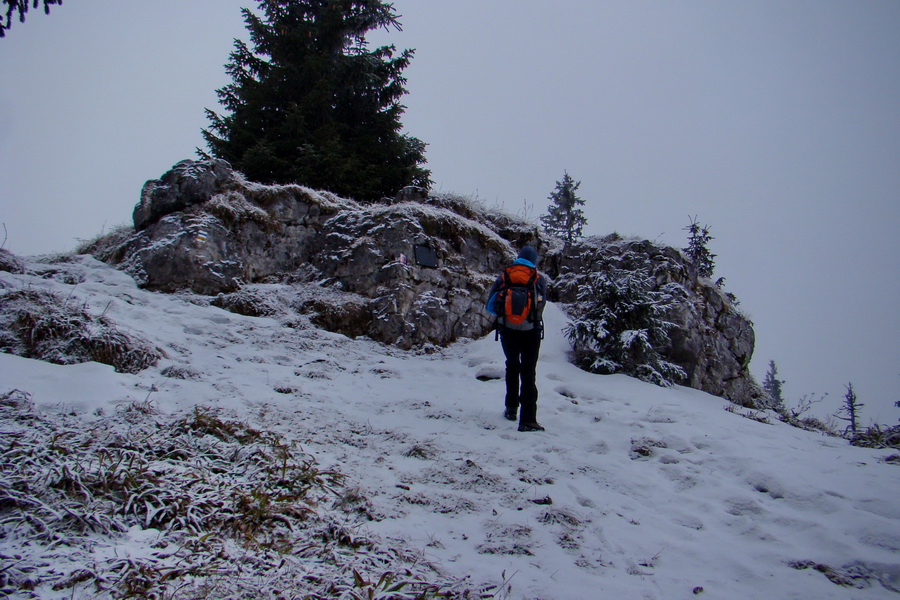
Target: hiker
517	300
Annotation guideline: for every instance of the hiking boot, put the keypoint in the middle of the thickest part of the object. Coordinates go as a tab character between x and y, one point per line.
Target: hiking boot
510	414
531	427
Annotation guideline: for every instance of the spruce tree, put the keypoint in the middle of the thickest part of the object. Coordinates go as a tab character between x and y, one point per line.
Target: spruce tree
310	103
698	248
772	387
564	218
20	8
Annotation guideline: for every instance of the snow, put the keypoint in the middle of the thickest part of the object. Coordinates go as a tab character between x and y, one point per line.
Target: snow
633	491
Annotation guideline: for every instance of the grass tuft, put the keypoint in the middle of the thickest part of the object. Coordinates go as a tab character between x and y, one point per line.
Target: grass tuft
42	325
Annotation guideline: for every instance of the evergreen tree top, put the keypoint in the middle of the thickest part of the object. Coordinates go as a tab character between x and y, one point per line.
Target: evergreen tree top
310	103
698	248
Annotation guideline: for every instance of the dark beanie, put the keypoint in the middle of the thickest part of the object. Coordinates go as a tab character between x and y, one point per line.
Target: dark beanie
529	254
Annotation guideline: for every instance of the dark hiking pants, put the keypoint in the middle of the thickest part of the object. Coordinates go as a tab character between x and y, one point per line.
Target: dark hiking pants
521	349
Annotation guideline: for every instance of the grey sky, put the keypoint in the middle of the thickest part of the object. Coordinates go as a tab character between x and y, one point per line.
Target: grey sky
774	122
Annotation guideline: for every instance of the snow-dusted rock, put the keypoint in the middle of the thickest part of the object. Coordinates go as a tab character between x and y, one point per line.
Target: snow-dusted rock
188	183
203	228
711	340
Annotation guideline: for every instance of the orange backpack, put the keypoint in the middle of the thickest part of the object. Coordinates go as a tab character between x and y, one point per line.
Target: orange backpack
517	298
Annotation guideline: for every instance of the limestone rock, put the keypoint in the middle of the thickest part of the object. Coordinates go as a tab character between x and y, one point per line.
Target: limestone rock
205	229
188	183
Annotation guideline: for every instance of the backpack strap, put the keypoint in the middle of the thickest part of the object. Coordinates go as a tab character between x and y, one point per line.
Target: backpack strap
532	283
504	289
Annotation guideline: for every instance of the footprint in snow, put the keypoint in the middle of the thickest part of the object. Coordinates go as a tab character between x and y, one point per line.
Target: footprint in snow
566	393
490	373
659	416
581	498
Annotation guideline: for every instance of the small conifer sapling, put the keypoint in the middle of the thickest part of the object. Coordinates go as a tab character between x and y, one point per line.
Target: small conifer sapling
850	409
697	249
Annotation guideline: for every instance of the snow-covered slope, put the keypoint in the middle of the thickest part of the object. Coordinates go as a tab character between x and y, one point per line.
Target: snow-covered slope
633	491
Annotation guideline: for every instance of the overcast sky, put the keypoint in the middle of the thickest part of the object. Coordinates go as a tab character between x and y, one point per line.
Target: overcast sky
776	123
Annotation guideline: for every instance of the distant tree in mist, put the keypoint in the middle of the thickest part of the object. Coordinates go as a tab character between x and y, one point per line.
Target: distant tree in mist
19	8
772	387
564	218
697	249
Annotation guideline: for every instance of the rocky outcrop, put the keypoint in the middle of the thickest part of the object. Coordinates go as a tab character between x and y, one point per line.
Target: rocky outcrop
711	340
409	271
203	228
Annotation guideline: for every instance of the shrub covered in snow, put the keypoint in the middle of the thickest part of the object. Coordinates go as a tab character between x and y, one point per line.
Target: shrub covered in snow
621	323
9	262
40	324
